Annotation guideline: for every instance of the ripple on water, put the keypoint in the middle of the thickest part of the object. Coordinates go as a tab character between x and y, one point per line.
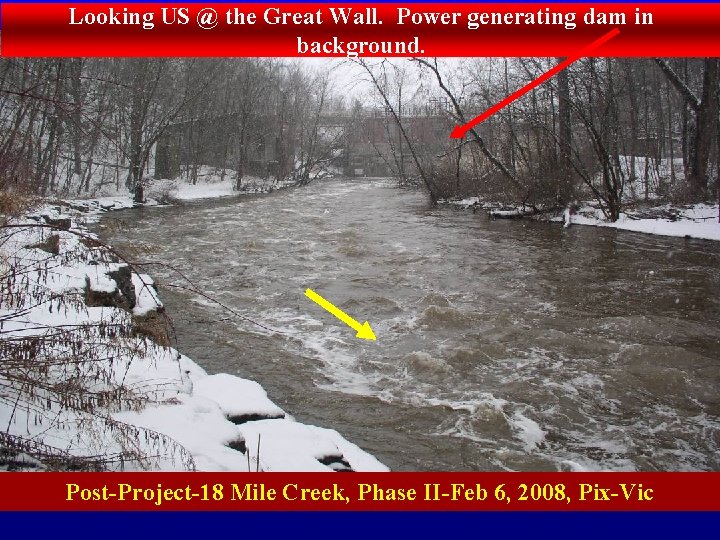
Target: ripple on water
445	317
420	363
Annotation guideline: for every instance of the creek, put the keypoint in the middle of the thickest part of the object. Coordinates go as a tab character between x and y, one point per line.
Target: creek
501	345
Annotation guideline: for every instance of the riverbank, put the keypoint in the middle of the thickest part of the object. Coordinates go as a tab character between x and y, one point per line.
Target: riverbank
91	381
685	221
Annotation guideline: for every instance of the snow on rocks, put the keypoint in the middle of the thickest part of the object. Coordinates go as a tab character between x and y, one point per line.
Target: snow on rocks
138	404
199	426
315	449
63	214
103	204
146	297
240	400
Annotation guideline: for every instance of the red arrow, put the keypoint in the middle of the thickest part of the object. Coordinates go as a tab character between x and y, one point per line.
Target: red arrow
460	131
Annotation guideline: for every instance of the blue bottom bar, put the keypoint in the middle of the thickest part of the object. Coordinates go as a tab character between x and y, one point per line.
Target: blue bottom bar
363	525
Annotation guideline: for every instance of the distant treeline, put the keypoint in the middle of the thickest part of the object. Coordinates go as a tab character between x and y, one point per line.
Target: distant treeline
612	129
73	125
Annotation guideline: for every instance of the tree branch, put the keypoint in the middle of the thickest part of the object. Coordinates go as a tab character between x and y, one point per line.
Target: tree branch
690	98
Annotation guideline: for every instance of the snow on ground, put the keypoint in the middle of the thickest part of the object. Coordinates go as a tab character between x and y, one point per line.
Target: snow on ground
161	410
210	183
696	221
187	192
691	221
649	176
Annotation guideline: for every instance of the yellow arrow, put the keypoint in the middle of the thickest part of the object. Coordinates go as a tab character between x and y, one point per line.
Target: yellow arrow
363	330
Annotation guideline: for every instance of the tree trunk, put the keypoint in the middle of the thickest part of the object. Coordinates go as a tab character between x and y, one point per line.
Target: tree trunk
137	125
700	139
705	131
76	67
242	154
565	191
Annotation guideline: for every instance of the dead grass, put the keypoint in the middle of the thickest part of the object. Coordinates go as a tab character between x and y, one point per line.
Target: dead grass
153	326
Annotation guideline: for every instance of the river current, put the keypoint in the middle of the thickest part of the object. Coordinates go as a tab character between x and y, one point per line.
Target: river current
501	345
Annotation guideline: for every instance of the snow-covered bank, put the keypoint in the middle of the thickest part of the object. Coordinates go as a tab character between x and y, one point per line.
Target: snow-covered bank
690	221
210	184
81	377
168	191
696	221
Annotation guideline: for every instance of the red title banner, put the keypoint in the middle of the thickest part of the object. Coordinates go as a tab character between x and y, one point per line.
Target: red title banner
361	491
352	30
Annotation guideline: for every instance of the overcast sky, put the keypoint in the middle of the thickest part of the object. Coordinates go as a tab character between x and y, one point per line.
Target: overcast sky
351	80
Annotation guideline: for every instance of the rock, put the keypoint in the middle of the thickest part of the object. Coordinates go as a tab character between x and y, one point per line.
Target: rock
122	296
238	419
95	298
238	445
152	325
51	245
241	400
60	223
508	214
123	278
337	463
80	207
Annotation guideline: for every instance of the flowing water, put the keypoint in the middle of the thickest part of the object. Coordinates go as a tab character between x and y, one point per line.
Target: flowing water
500	344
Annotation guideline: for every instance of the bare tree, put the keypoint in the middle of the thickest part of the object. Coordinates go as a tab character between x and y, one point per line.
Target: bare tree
705	111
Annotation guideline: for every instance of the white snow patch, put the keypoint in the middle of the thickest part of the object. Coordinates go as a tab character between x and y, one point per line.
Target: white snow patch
146	298
237	397
197	424
211	183
698	221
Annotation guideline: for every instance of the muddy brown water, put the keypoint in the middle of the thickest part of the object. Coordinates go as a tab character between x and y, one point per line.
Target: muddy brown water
502	345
